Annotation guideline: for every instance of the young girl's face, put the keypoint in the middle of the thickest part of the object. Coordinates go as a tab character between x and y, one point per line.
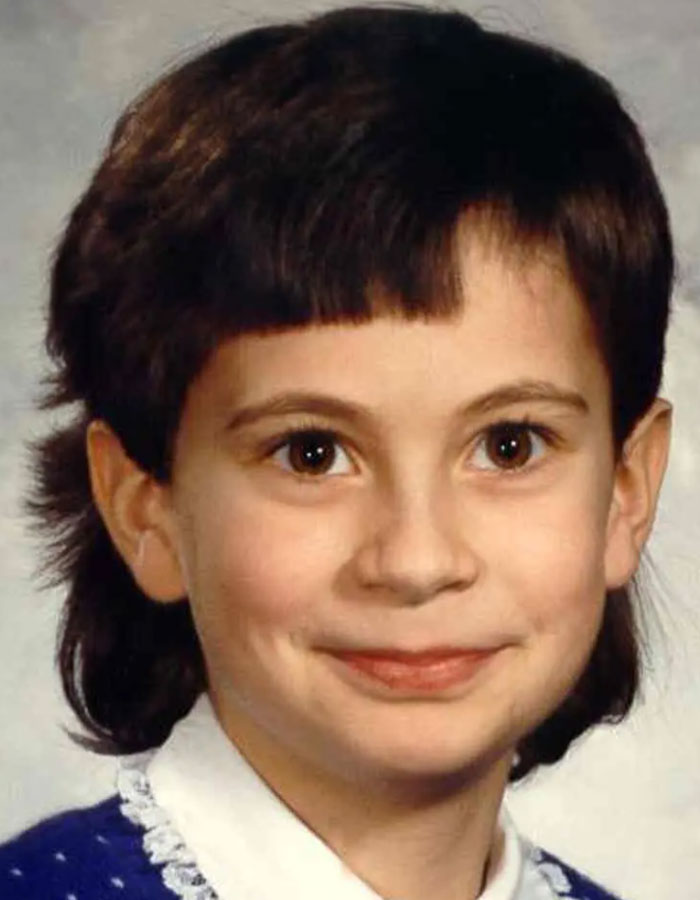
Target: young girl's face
397	536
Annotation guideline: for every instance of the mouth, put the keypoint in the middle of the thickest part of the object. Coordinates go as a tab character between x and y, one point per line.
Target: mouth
423	671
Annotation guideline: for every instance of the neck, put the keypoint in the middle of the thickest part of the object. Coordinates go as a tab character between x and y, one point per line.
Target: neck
407	838
438	845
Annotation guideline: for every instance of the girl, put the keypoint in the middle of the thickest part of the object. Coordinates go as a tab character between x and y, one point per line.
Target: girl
362	321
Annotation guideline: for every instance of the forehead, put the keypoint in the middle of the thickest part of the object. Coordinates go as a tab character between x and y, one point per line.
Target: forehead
521	318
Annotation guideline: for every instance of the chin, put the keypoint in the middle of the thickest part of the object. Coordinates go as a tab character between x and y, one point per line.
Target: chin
413	752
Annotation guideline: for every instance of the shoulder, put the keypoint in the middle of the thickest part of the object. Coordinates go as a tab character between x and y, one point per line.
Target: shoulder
79	855
564	880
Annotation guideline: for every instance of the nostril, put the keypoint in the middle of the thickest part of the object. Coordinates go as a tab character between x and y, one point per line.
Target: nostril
415	559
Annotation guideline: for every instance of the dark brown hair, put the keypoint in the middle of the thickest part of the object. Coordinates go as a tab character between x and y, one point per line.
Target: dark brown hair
292	175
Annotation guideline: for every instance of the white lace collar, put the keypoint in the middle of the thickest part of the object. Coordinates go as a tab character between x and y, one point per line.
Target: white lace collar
223	834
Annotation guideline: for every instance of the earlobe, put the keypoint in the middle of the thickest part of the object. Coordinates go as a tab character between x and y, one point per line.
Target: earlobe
136	511
637	483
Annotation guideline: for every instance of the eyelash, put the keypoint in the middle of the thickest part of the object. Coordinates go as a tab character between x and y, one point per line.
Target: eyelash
299	431
518	428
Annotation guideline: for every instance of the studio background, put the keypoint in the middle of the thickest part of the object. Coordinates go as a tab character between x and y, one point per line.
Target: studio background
625	803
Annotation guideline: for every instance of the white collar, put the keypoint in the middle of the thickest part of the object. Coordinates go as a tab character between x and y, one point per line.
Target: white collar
223	833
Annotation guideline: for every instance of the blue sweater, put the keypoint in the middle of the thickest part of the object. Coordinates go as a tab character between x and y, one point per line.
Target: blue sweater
97	854
86	854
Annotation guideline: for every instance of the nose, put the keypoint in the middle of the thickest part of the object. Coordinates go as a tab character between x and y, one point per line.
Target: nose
417	546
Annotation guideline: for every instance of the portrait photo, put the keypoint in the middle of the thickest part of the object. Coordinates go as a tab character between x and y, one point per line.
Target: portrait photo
351	459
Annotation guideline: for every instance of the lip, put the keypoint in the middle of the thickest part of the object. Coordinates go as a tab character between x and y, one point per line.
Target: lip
423	671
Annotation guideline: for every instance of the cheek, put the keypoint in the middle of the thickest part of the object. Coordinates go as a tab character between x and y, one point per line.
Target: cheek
562	584
250	560
549	581
553	562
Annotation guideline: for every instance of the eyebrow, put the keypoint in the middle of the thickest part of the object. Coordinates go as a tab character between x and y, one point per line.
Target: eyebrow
333	407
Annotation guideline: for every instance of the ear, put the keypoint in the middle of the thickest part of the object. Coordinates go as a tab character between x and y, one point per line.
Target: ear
637	481
136	511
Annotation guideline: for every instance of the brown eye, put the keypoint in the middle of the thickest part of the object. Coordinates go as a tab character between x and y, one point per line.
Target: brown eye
312	453
508	446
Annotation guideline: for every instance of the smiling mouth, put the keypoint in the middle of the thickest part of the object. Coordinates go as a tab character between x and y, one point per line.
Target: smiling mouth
424	671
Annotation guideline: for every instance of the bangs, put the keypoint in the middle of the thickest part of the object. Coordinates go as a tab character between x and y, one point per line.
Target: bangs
352	183
320	173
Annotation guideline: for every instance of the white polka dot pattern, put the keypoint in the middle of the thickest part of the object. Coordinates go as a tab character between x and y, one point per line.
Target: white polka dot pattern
103	853
90	854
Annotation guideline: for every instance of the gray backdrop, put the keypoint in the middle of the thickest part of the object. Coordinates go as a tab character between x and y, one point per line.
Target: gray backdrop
626	802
